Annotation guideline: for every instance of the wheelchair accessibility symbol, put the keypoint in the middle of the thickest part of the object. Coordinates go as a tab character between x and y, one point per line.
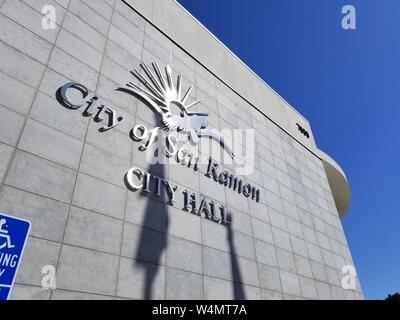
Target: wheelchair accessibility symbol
13	237
4	234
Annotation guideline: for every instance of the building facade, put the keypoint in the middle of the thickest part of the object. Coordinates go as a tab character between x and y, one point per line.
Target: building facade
258	219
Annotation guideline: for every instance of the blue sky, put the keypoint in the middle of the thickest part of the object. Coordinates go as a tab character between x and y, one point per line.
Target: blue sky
347	84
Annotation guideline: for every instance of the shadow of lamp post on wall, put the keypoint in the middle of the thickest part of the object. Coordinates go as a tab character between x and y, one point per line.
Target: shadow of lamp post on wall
238	291
152	244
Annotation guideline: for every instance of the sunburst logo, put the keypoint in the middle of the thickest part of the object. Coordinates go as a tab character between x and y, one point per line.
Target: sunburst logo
164	96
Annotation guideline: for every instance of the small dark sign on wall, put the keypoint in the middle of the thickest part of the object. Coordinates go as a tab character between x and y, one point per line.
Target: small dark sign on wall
303	131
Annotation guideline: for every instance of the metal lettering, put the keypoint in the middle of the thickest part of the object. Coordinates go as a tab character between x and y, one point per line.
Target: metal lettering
189	201
113	120
226	218
223	178
62	94
212	169
151	138
91	106
172	146
247	190
255	194
100	115
140	132
146	184
129	178
158	185
206	209
171	190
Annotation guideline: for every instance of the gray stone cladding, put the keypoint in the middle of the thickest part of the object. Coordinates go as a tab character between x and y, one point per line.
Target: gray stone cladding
107	242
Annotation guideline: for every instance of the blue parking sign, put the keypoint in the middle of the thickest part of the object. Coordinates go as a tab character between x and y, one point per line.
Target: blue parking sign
13	235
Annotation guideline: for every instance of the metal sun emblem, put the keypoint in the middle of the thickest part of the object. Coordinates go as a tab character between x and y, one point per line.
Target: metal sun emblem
162	94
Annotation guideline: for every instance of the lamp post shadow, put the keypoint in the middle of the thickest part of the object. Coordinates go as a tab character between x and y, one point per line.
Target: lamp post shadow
238	290
152	244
